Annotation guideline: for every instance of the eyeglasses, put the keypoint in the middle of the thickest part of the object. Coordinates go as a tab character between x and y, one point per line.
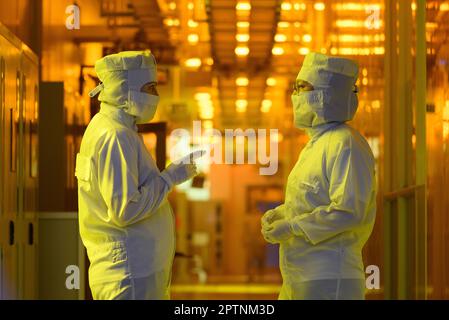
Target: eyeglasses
301	87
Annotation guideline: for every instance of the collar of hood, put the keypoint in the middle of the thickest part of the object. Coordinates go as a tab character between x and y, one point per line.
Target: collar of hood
118	114
316	131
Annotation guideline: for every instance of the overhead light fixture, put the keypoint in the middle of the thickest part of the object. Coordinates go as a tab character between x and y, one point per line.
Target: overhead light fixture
266	105
277	51
280	37
193	38
307	38
283	24
286	6
242	24
303	51
190	6
209	61
319	6
193	63
241	51
192	23
241	105
271	82
242	37
243	6
202	96
172	6
242	81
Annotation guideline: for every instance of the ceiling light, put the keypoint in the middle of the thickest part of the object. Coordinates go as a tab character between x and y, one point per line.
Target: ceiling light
242	37
193	63
286	6
266	105
193	38
241	105
242	24
271	82
280	37
277	51
243	6
319	6
307	38
192	23
241	81
242	51
172	6
304	51
202	96
283	24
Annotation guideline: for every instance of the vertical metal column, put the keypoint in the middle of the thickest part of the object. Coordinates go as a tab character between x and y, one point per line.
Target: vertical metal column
421	152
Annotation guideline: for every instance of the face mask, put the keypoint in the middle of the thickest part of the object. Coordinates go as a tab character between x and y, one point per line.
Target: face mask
142	105
308	108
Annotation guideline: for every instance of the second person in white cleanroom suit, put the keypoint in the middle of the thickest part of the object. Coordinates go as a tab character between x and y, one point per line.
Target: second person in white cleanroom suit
330	200
125	220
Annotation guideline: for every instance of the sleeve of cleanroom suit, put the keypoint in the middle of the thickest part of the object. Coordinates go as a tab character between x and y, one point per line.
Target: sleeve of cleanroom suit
351	183
118	177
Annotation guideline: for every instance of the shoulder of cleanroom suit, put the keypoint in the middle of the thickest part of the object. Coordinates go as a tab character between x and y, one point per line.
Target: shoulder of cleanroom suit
126	222
330	201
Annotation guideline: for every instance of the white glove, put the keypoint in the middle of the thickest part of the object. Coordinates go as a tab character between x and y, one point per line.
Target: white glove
178	173
270	216
278	231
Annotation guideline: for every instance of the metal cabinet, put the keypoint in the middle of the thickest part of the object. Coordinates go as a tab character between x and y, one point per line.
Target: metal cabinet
18	168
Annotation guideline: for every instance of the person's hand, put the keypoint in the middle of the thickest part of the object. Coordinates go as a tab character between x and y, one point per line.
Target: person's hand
178	173
277	232
270	216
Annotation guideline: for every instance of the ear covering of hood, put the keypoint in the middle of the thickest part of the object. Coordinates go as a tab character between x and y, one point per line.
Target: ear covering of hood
333	98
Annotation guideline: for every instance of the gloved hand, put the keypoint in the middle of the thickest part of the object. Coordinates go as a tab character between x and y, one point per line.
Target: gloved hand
270	216
178	173
278	231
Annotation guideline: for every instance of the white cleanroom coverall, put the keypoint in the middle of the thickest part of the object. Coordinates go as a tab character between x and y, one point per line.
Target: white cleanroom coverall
330	200
125	220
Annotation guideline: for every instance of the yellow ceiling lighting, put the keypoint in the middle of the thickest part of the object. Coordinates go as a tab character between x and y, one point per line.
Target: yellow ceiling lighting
170	22
334	51
319	6
307	38
358	24
444	6
283	24
202	96
280	37
193	38
271	82
242	37
299	6
352	6
266	105
364	72
286	6
242	24
192	23
209	61
365	81
243	6
172	6
277	51
190	6
242	81
193	63
206	113
241	51
303	51
241	105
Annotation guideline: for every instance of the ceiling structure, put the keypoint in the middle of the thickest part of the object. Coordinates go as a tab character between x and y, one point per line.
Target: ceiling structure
252	49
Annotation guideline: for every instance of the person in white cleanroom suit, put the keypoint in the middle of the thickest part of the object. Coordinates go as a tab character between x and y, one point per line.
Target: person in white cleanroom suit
125	220
330	200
